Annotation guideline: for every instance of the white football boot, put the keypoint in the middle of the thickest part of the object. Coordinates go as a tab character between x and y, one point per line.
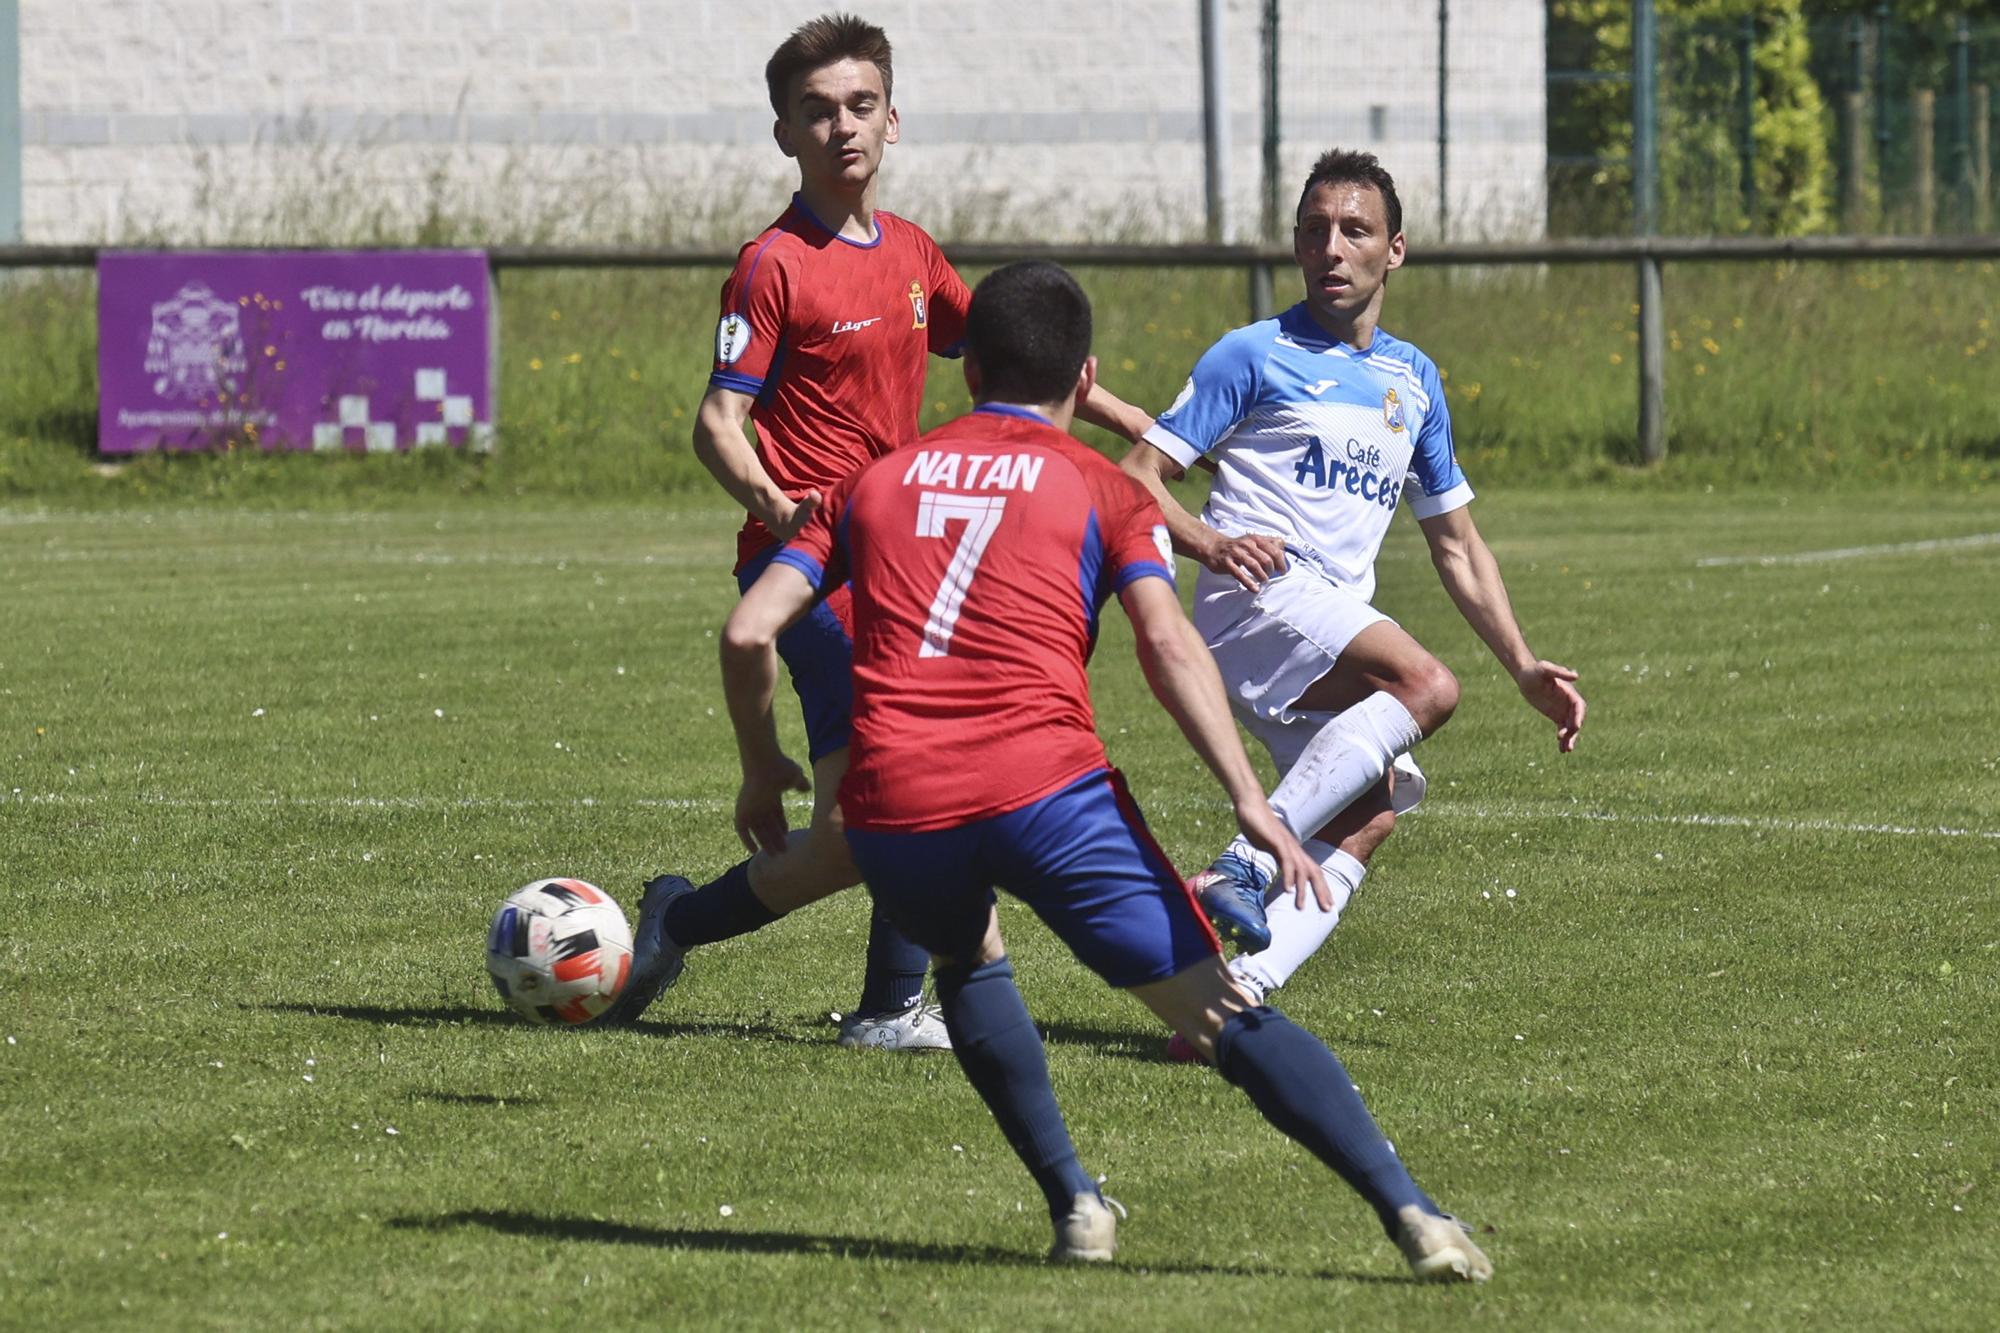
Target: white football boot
1438	1248
1088	1233
918	1028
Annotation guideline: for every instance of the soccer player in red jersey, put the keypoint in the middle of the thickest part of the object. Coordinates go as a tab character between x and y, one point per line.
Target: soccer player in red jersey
979	559
828	322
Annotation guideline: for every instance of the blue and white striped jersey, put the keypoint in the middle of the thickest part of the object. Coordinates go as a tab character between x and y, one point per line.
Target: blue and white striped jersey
1315	441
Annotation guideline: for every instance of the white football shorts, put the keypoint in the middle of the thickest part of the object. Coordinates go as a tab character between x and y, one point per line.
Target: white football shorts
1271	645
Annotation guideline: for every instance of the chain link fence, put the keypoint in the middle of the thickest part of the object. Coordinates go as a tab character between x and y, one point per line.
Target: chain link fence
1778	124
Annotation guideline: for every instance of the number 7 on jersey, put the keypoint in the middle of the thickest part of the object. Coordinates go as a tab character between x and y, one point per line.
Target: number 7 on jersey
981	516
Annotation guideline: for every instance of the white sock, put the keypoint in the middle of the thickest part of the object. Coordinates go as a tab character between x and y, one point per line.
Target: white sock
1297	933
1348	756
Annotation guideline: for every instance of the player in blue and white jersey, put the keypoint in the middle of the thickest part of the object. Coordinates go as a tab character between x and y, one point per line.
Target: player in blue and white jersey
1318	423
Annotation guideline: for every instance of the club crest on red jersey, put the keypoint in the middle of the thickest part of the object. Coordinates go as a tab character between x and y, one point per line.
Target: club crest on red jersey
922	313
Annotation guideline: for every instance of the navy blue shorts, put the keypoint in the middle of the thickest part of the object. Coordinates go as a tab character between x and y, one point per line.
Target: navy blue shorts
819	655
1081	858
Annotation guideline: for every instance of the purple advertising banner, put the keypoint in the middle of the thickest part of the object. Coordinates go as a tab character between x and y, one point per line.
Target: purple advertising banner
336	351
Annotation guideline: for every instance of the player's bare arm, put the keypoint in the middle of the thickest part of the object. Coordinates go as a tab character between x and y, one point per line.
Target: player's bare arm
1102	408
1184	679
723	446
1249	559
749	681
1466	566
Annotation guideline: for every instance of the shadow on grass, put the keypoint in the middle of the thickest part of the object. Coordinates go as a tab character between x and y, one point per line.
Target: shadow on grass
465	1015
1147	1046
739	1241
443	1015
471	1098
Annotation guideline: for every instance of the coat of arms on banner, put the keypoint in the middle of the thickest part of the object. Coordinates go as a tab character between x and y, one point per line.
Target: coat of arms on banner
196	341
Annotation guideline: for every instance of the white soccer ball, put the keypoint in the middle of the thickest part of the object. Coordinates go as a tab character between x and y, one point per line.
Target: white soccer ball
559	951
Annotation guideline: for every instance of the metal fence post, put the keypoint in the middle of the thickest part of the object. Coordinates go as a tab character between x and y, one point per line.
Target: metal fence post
1645	208
1214	122
1272	167
1982	157
1853	126
1881	99
1746	78
1263	300
1854	179
10	122
1923	140
1961	129
1444	120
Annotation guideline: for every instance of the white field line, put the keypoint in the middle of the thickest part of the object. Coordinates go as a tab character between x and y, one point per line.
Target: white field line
1755	823
333	559
460	520
719	806
1852	552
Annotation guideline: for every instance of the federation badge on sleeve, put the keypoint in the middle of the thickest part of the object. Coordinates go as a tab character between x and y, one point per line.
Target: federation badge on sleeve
732	339
1164	540
922	312
1392	411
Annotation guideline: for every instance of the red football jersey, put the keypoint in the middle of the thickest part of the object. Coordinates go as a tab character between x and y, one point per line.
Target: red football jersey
980	556
833	337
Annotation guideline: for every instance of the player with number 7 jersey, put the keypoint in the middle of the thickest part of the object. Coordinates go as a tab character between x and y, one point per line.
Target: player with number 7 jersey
980	557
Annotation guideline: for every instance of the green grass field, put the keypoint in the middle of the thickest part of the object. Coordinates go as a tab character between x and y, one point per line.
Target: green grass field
1822	376
1697	1023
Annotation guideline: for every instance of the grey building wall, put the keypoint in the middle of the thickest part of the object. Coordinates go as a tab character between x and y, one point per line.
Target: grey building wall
645	120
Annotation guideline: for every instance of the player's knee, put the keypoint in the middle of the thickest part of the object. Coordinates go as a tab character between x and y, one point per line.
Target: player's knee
1430	692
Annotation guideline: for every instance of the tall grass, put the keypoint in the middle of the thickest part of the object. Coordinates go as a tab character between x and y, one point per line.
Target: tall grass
1806	375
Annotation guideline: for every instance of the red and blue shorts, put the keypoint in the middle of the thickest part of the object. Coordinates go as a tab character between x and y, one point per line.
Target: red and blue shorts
818	652
1082	858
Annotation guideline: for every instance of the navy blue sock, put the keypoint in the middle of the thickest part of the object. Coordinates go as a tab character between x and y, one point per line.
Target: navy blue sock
1302	1088
721	909
1001	1053
896	965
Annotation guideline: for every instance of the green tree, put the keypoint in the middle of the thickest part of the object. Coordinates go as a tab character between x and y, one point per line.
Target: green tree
1699	82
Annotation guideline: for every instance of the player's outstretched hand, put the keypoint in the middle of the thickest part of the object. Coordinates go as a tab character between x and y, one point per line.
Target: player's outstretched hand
1297	872
1249	559
760	804
1552	690
787	527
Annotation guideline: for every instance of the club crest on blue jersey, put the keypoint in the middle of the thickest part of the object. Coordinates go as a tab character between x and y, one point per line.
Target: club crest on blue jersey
923	314
1392	411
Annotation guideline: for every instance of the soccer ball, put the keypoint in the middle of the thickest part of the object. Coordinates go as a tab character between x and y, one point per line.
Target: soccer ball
559	951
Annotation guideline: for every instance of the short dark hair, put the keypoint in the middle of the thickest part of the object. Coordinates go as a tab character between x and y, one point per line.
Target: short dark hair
1029	330
1340	166
826	40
